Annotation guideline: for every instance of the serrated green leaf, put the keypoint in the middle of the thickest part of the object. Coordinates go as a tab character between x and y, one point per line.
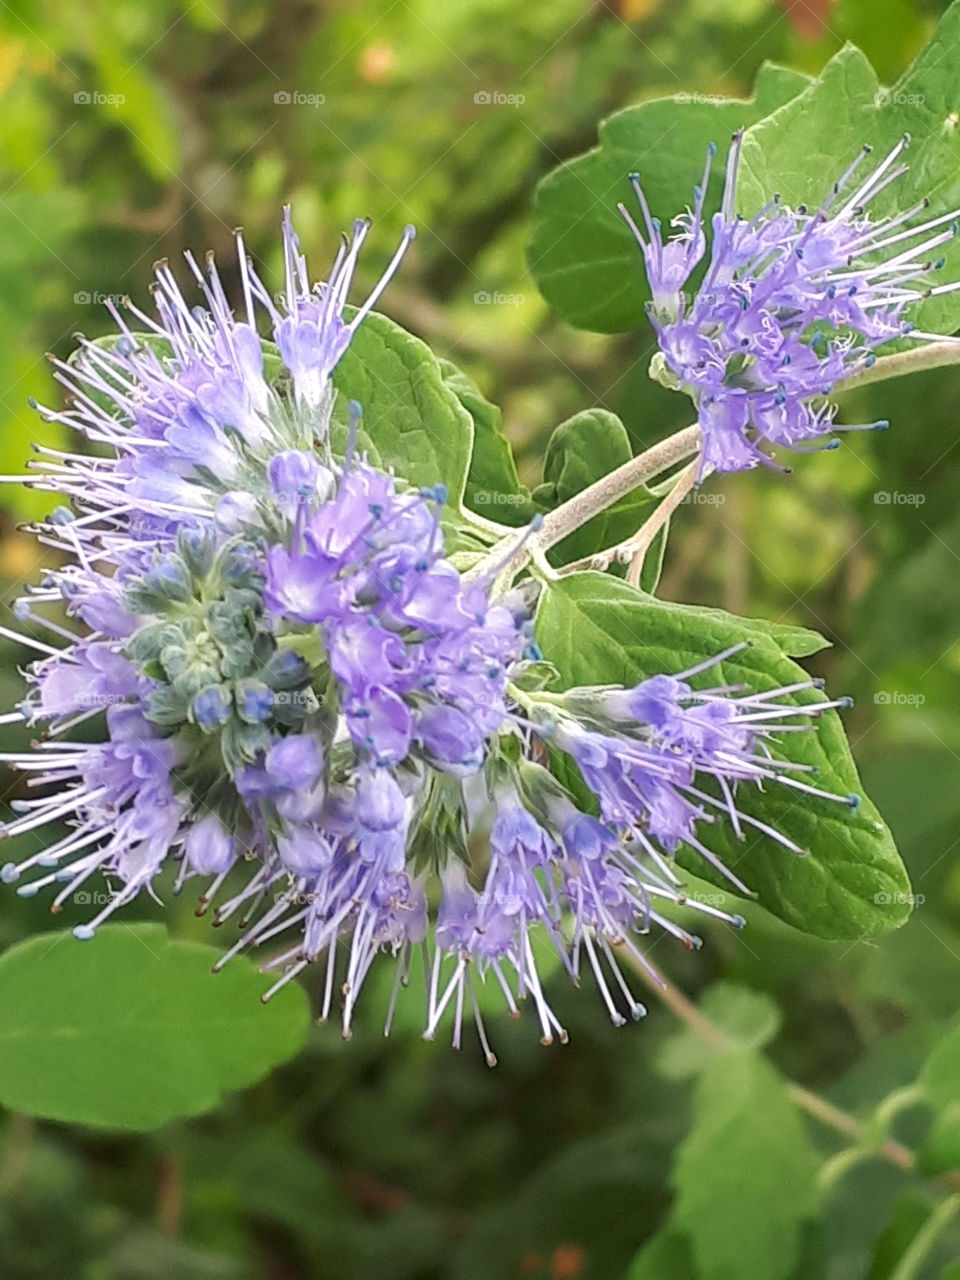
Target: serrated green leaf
586	446
599	630
744	1177
749	1018
412	420
583	256
131	1029
805	144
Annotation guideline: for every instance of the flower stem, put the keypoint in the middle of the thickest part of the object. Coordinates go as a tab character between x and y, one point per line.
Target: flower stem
634	548
638	546
615	485
603	493
931	355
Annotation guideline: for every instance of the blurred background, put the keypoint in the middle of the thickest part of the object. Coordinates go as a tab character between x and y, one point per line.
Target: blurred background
133	129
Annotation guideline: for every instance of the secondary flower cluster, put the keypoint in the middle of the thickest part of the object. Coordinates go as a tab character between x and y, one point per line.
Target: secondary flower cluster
791	302
283	682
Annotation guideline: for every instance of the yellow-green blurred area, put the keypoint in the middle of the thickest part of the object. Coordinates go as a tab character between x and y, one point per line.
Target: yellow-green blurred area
133	130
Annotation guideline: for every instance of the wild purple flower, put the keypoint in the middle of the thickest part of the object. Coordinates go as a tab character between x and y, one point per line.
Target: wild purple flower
791	302
273	677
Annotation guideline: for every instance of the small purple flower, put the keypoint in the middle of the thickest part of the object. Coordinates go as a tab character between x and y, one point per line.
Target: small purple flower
379	801
294	762
209	848
212	707
312	335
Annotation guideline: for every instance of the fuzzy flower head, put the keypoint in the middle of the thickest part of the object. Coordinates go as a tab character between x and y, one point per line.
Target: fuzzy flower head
273	679
792	301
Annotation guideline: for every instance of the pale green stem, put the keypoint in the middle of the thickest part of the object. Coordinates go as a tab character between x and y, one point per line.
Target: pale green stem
931	355
837	1167
484	524
638	546
908	1268
635	547
900	1100
603	493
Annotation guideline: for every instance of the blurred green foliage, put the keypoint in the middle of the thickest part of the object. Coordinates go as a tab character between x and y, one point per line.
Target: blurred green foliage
130	131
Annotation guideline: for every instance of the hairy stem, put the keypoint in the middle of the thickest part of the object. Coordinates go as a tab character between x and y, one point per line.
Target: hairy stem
615	485
932	355
603	493
638	546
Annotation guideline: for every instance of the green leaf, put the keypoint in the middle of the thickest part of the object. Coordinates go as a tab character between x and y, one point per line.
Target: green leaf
131	93
493	488
750	1018
665	1254
940	1076
906	613
580	451
598	630
940	1152
583	256
800	148
412	420
652	566
131	1029
744	1177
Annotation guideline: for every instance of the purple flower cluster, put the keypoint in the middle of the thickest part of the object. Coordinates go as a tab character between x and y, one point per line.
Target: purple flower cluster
791	302
288	689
